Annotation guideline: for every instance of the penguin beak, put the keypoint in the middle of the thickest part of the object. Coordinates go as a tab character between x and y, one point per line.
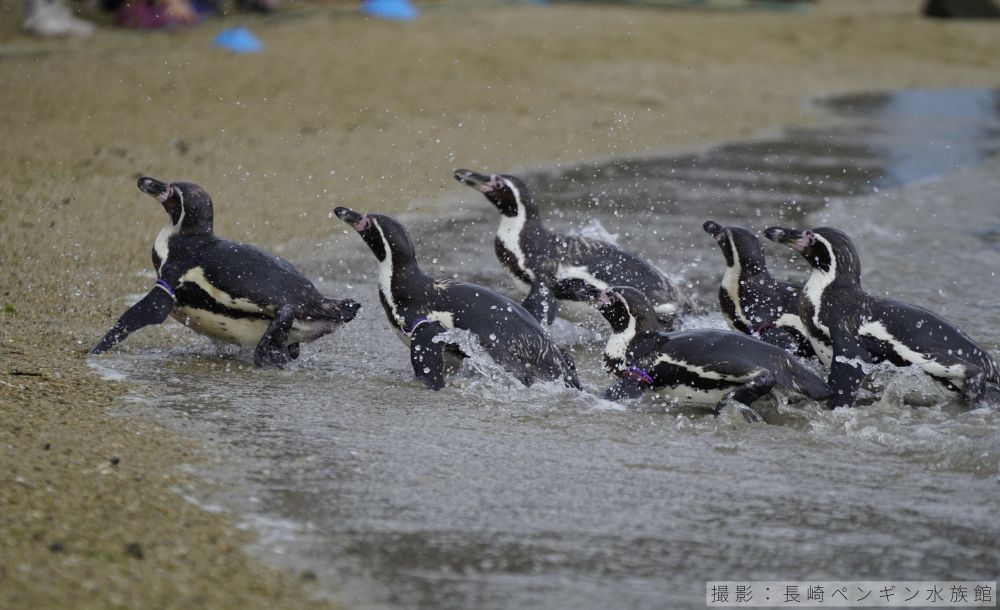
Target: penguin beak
360	222
484	184
793	238
580	289
713	228
155	188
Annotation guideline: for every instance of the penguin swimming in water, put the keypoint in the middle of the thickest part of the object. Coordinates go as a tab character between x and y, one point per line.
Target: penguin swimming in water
553	265
753	302
701	366
230	291
848	327
422	307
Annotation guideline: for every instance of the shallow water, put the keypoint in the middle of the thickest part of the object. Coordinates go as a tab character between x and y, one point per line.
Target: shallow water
491	495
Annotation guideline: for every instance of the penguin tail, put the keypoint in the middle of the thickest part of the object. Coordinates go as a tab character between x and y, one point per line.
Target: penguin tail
340	311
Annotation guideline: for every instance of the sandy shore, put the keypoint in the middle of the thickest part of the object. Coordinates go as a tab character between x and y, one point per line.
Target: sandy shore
337	110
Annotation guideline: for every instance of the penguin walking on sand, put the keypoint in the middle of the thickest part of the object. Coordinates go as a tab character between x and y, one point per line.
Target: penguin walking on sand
421	307
699	366
848	327
553	265
232	292
752	300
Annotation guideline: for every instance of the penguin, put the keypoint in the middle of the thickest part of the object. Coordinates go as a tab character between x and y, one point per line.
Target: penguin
549	263
753	302
699	366
849	327
232	292
421	307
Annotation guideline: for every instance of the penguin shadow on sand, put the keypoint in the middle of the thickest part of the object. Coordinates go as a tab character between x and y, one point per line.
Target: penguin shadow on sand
850	329
229	291
553	265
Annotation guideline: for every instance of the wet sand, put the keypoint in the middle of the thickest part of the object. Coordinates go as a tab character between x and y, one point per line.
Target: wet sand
338	110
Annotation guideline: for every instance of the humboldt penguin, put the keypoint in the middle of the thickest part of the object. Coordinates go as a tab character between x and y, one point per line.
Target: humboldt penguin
232	292
553	265
421	307
849	327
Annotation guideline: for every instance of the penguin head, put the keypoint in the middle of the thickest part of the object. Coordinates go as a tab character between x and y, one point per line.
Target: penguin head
386	237
827	249
738	245
509	194
622	305
188	205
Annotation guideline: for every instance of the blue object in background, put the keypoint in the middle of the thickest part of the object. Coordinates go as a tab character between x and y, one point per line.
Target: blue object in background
238	40
397	10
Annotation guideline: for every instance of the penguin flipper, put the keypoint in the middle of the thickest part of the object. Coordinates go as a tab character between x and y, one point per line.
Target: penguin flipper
272	350
427	356
846	372
541	301
151	309
625	388
746	394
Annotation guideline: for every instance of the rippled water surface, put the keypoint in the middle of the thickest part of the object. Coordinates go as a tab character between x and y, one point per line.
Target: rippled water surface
491	495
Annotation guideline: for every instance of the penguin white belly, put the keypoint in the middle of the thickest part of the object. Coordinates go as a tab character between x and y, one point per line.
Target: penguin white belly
955	372
242	331
246	331
685	393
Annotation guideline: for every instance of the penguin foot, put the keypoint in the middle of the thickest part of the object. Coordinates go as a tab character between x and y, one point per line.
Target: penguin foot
272	358
273	350
749	415
974	388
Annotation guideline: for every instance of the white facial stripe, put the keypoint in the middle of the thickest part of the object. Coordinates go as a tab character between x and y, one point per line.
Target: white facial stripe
196	276
385	268
731	284
618	343
817	283
162	243
509	232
